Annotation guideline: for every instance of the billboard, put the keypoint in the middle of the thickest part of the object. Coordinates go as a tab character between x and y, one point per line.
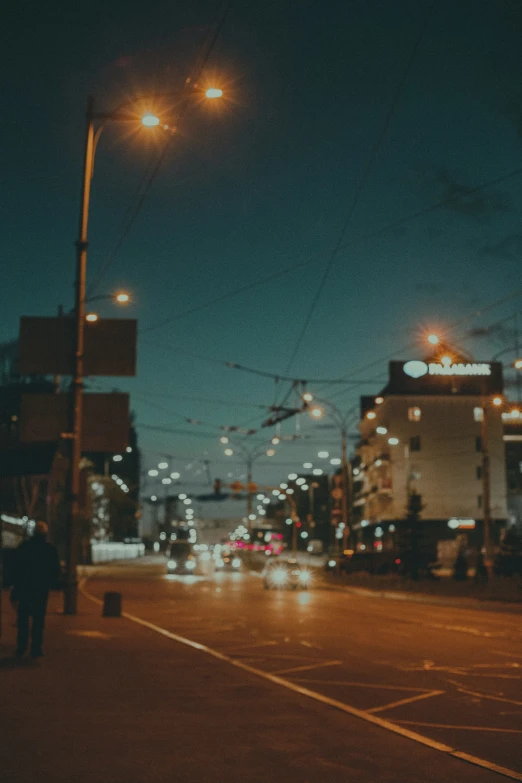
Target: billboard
105	420
47	346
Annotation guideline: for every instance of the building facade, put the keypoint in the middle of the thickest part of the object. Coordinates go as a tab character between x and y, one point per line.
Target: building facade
422	437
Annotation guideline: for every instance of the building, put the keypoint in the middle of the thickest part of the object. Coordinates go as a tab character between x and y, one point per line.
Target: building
421	437
513	446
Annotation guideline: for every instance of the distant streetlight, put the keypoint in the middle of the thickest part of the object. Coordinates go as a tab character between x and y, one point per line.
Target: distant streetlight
308	397
150	120
213	92
91	317
433	339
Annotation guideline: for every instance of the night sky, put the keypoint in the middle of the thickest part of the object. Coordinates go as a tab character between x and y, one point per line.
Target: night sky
339	119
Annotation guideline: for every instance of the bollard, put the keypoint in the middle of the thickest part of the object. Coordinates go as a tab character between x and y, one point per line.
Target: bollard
112	605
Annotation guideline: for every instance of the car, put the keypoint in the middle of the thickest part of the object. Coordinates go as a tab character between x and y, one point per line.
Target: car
181	558
227	561
286	575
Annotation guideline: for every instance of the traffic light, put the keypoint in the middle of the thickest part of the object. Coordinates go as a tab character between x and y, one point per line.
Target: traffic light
217	487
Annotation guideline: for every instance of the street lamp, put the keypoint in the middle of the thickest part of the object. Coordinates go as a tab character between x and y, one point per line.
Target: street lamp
92	134
341	420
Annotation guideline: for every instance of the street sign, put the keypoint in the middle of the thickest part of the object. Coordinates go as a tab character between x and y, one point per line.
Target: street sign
47	346
105	421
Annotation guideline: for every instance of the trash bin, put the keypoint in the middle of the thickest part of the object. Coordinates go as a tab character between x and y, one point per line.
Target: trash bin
112	605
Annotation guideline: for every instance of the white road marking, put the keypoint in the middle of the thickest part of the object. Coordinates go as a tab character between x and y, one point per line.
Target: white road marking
91	634
405	701
505	654
467	629
319	697
310	666
481	695
464	728
365	685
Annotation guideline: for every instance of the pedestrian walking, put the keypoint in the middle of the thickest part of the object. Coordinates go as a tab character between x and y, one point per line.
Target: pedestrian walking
36	571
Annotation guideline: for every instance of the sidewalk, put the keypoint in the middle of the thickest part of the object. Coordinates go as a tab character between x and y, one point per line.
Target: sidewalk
372	589
117	702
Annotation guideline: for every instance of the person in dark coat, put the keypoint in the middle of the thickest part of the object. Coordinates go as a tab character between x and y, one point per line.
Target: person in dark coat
36	571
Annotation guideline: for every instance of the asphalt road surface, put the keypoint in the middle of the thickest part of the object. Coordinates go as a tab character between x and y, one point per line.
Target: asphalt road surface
451	675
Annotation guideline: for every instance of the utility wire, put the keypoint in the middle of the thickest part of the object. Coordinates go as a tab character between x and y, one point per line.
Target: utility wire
361	184
145	187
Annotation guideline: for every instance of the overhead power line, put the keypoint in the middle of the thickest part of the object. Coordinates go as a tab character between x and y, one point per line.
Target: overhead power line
146	185
361	184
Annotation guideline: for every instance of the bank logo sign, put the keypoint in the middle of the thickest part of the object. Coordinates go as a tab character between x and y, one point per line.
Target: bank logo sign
417	369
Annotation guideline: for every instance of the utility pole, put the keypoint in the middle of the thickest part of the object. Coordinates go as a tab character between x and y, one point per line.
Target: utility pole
346	507
75	429
486	485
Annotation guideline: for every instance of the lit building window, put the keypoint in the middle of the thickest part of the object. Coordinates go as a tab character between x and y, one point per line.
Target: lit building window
414	414
478	414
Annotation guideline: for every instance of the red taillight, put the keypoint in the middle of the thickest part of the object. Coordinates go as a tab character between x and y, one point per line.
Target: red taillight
397	561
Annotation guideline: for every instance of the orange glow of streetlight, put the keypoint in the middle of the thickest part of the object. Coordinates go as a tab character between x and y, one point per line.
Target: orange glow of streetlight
213	92
497	401
150	120
308	397
379	400
122	298
91	317
371	415
316	412
518	364
446	360
433	339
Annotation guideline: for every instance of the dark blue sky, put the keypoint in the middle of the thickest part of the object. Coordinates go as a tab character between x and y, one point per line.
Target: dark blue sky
264	183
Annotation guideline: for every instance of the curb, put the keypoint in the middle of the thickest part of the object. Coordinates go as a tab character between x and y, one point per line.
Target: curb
421	598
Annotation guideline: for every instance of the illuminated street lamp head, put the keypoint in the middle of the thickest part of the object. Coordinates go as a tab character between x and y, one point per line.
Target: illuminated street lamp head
446	360
150	120
518	364
223	439
270	452
122	298
316	412
275	440
497	401
213	92
308	397
433	339
91	317
229	452
371	415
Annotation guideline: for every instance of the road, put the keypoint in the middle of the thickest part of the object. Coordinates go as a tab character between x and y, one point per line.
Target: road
451	675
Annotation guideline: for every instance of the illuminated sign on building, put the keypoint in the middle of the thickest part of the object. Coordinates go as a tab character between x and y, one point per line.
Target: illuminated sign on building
461	524
417	369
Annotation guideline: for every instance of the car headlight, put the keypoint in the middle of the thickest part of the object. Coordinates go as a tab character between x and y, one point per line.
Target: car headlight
236	562
332	563
190	564
279	576
171	564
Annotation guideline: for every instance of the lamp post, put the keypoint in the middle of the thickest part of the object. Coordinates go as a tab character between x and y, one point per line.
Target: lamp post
342	421
249	456
121	114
